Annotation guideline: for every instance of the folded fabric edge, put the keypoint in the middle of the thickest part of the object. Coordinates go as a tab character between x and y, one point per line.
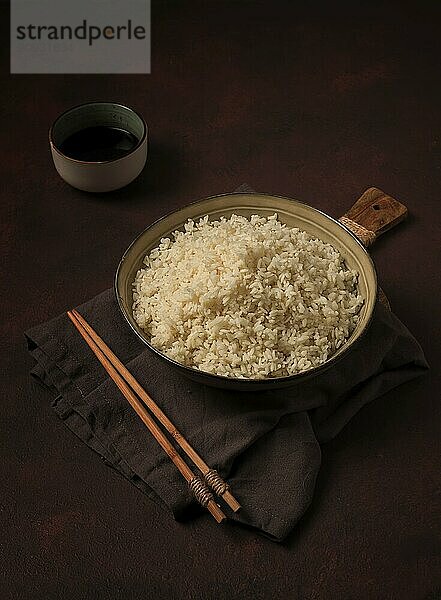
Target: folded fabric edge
53	378
365	394
277	529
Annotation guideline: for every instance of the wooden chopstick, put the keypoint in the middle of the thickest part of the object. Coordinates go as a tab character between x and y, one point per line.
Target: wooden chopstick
212	478
194	482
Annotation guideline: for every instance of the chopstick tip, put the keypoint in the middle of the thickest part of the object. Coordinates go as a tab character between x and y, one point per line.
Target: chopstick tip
231	501
216	511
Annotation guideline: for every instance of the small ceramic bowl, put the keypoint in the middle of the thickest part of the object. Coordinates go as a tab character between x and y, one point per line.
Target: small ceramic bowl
100	175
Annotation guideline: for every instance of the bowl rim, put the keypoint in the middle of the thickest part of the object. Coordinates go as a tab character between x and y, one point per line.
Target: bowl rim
193	372
57	150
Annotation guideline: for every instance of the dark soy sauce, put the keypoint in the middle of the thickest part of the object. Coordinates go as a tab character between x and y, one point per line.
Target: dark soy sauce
99	143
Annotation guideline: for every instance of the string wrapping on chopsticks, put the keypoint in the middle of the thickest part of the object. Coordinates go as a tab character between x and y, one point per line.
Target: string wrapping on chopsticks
200	491
215	481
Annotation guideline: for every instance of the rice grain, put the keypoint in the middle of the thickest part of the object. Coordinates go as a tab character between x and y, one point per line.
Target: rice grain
247	298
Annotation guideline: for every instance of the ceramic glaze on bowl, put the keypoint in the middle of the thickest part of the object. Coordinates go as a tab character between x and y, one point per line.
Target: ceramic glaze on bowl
99	175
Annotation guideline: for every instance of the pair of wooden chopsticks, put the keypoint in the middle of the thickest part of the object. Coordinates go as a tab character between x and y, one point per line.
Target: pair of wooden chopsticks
140	401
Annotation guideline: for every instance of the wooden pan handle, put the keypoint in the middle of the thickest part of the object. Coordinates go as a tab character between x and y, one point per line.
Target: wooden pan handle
374	213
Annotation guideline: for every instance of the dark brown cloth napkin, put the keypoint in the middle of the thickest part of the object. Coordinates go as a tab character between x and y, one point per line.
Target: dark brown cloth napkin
266	444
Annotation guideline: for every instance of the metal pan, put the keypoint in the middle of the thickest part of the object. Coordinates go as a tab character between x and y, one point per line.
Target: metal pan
371	215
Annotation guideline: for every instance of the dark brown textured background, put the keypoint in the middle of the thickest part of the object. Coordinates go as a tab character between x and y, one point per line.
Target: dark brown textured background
313	103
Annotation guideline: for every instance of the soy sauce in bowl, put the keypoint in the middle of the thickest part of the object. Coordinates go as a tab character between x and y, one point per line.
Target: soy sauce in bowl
99	143
99	146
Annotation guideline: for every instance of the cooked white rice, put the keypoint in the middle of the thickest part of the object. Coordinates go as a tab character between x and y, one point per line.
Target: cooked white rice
249	298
